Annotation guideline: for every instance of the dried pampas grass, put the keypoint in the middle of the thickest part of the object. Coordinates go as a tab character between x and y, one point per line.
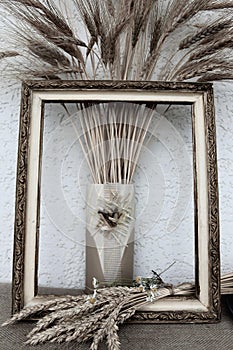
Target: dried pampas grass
123	40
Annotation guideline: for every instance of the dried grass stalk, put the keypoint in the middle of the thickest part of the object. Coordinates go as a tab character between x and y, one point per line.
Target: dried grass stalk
112	138
218	5
205	33
202	67
8	54
209	50
53	304
215	77
48	54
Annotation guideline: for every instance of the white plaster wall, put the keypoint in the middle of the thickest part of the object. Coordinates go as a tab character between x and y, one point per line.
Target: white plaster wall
9	118
164	230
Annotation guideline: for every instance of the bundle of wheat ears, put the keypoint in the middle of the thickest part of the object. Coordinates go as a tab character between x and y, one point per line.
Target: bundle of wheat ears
97	317
123	39
94	317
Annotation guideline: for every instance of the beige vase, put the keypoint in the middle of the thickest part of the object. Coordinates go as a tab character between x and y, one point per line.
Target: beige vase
110	233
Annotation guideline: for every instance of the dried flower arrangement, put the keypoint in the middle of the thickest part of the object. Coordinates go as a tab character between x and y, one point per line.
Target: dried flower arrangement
124	40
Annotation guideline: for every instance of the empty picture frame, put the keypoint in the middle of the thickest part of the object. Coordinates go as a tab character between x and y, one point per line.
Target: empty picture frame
204	306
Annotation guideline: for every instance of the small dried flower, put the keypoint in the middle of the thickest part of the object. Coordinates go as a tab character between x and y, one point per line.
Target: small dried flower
91	299
141	288
150	299
150	296
138	279
95	283
154	287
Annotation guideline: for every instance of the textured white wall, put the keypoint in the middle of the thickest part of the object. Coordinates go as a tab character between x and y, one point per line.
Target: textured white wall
9	118
63	210
164	207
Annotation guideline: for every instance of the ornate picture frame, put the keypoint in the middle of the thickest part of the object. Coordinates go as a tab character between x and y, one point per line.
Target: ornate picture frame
204	306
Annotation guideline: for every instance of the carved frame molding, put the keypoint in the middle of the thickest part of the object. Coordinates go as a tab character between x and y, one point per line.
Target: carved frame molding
213	313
